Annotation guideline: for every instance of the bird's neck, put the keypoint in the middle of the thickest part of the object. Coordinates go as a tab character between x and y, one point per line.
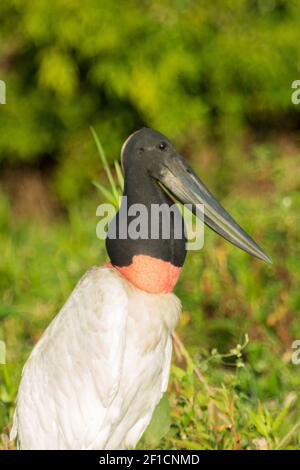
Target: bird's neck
145	257
140	187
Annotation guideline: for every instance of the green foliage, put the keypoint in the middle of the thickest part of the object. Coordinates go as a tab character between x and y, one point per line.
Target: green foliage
187	68
159	425
213	409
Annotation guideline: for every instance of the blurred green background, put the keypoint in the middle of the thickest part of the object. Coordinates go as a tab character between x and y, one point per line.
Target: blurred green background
216	78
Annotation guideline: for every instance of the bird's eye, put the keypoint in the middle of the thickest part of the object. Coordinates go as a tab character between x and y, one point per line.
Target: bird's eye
162	145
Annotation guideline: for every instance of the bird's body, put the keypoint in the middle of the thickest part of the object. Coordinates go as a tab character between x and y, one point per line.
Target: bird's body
98	388
96	375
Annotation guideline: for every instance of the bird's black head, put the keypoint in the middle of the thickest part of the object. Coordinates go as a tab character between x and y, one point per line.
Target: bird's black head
151	263
147	149
152	165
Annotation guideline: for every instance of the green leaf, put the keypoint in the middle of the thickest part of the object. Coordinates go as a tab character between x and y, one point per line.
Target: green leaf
119	175
280	417
105	165
159	425
105	192
259	422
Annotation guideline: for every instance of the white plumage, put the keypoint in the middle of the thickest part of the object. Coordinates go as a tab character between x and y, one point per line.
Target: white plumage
96	375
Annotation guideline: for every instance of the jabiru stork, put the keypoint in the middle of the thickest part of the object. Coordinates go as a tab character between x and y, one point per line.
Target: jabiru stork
96	375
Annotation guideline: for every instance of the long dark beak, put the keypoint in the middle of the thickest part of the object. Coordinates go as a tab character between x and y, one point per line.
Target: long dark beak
179	178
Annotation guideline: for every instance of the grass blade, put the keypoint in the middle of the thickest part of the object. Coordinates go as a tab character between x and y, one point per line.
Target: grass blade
105	192
105	165
119	174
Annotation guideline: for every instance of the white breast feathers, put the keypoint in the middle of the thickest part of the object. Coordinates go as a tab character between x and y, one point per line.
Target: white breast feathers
94	378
